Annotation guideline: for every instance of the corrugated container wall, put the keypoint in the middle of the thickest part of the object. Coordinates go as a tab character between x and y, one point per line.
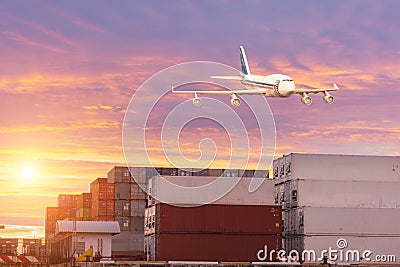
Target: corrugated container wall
84	200
126	243
122	191
319	193
67	200
51	220
348	221
137	191
209	247
239	195
334	167
122	208
218	219
138	207
119	174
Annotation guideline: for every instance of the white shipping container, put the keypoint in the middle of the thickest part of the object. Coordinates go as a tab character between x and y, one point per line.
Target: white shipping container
348	221
160	188
320	193
339	167
149	220
381	247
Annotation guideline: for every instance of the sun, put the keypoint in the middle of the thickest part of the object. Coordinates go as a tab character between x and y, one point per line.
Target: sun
27	172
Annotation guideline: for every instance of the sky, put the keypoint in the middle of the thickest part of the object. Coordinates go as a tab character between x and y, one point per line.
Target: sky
70	68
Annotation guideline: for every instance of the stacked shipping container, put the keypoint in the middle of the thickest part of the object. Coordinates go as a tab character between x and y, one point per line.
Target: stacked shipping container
211	232
234	228
66	210
327	197
129	206
120	197
102	194
84	207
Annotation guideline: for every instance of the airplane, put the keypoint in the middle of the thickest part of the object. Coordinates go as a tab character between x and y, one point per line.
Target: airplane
273	85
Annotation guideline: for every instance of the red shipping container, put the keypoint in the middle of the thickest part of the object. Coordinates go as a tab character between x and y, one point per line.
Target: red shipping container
110	191
213	247
265	219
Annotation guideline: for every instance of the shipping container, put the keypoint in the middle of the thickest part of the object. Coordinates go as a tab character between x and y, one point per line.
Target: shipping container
347	221
199	172
67	200
264	219
84	213
137	191
339	167
320	193
215	172
110	191
138	207
383	247
128	244
103	208
167	171
65	212
149	220
160	188
51	213
122	208
231	173
124	223
84	201
209	246
137	224
261	174
122	191
150	172
119	174
94	185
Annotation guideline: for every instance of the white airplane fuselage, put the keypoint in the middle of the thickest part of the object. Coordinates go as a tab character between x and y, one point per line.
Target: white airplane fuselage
275	85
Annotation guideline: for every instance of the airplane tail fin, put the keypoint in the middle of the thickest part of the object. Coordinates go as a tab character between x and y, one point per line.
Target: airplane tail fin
243	61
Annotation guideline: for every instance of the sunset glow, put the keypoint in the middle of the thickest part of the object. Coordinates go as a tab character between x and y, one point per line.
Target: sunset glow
27	173
70	68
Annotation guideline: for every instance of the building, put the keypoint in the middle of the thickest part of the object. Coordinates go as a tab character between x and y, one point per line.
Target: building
72	239
233	228
326	198
8	246
32	247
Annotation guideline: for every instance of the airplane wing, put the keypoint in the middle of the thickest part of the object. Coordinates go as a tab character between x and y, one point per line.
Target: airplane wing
236	78
221	92
315	91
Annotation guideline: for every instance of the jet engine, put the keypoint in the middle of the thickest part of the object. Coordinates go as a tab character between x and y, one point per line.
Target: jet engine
235	101
306	99
196	100
328	98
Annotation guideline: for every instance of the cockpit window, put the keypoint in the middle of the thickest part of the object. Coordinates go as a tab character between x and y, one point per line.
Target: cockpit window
287	80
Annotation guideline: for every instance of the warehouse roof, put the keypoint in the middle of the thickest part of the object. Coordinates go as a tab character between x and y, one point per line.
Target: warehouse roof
87	227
